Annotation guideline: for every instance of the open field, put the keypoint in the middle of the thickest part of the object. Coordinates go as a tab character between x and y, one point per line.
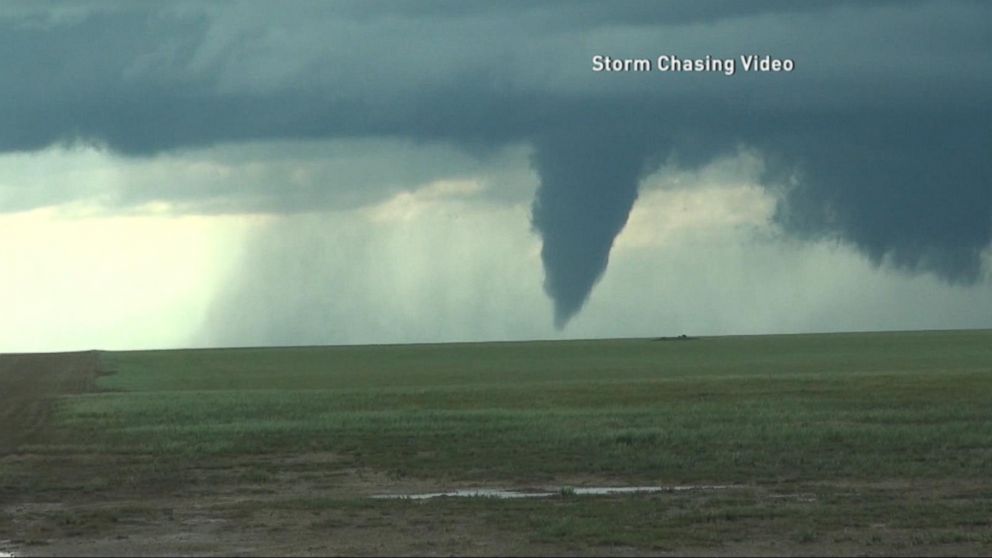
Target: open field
869	443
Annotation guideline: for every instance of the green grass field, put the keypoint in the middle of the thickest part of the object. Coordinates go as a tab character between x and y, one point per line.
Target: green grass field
865	406
825	436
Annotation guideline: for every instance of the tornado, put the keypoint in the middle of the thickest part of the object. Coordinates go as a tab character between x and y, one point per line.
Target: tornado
588	185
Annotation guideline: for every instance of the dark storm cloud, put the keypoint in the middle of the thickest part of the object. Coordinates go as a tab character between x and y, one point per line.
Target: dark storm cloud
880	137
567	13
913	190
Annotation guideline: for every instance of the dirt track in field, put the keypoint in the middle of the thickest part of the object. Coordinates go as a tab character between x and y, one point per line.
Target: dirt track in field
29	385
61	504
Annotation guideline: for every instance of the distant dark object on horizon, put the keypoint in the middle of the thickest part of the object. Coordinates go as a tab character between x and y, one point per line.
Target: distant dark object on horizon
682	337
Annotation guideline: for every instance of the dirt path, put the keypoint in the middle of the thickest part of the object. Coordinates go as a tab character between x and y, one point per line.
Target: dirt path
29	385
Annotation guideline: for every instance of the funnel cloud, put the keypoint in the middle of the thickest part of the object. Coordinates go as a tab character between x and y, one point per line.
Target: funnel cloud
588	185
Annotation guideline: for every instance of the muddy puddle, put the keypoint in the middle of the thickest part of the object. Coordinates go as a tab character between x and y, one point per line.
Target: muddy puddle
505	494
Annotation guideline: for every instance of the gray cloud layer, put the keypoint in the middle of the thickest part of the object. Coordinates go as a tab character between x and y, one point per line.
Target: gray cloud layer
879	137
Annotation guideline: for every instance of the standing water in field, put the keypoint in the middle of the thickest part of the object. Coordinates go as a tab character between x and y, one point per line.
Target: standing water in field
507	494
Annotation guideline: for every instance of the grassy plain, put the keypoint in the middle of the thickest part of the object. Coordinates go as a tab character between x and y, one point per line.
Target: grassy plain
839	443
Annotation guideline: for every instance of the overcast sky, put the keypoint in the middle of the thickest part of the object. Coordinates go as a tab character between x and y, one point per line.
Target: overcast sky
255	173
